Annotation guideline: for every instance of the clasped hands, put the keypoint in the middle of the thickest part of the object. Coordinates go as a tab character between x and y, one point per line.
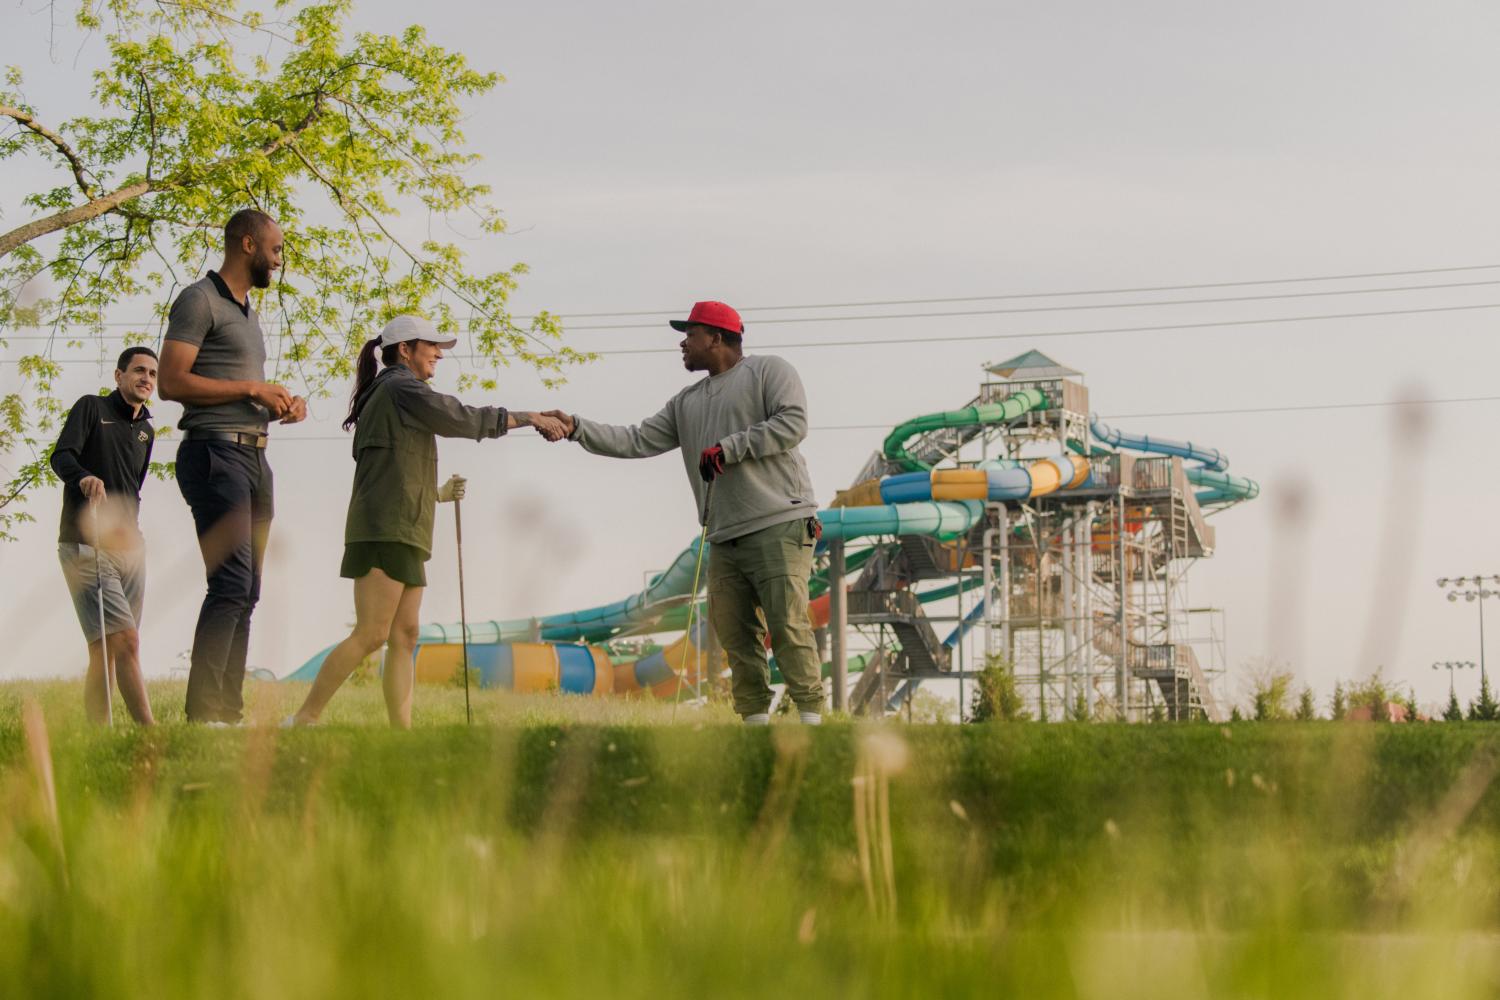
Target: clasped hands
284	407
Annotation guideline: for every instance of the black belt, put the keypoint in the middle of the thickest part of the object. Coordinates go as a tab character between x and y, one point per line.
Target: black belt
243	438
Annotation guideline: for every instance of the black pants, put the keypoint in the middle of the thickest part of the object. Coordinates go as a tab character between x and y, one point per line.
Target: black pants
228	487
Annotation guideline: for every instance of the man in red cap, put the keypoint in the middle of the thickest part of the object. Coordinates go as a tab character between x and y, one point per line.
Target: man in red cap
739	429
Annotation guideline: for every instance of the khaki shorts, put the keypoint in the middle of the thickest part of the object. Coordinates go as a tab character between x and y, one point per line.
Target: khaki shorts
119	574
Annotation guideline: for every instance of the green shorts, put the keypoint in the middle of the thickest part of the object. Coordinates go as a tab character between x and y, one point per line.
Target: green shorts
403	563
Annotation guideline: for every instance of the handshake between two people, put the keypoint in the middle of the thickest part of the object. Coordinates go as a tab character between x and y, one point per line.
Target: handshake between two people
555	425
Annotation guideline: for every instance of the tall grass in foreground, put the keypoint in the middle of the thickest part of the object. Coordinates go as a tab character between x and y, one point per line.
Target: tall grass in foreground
579	848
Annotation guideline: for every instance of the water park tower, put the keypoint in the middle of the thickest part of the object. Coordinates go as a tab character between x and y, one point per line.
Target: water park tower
1075	568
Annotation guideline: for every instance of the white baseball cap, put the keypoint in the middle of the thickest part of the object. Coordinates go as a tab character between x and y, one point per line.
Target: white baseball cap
404	328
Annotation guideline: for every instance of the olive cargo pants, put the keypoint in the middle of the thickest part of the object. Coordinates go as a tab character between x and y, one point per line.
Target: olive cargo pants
757	583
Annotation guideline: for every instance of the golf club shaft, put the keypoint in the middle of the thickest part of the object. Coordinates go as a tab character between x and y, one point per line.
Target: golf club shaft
109	710
463	614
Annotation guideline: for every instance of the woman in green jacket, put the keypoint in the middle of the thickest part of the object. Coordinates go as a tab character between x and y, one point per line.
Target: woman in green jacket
397	418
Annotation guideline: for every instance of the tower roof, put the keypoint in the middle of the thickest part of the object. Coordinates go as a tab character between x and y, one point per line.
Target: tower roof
1032	364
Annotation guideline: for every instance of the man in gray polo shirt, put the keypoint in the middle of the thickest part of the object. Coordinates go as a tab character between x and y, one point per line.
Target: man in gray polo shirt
741	426
213	362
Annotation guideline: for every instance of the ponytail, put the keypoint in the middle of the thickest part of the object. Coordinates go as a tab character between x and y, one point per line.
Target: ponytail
364	374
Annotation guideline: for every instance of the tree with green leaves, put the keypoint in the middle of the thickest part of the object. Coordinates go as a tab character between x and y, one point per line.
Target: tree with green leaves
1338	706
200	109
1270	695
1454	712
996	695
1374	695
1307	708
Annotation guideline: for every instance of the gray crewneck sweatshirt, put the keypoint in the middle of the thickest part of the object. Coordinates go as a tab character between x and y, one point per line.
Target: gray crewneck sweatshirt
758	412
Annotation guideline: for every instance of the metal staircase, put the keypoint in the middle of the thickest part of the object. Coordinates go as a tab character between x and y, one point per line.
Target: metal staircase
1175	669
922	652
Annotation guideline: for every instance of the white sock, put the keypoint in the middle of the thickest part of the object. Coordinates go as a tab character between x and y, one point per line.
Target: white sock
758	719
811	718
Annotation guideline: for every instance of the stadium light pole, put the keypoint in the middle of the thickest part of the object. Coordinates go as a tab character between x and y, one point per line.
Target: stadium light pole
1450	666
1471	588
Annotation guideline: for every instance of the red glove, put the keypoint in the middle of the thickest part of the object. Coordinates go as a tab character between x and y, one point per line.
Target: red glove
711	463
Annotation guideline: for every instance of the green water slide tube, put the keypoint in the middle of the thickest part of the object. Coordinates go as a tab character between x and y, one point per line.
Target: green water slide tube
1010	408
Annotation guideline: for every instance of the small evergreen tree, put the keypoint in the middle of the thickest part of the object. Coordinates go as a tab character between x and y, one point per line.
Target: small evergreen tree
1079	712
1269	700
1410	704
1307	709
1484	709
996	696
1454	712
1158	712
1340	705
1235	716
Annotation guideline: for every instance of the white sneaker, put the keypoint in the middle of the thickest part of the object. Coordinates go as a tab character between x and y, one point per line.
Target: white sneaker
758	719
290	722
811	718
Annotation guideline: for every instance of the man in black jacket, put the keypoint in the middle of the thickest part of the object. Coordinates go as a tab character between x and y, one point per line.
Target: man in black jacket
101	457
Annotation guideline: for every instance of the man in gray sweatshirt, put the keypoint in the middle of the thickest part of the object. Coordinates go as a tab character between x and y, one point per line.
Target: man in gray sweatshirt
739	429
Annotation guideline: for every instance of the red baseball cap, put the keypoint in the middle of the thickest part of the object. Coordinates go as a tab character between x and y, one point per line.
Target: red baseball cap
715	314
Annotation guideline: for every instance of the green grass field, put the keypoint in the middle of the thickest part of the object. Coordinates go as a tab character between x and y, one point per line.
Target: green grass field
569	847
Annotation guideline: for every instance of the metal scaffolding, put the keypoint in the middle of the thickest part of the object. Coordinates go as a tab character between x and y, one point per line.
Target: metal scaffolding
1083	591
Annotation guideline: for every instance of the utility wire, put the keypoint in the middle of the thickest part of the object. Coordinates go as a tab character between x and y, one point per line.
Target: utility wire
870	303
823	428
1048	335
854	318
1050	295
1091	332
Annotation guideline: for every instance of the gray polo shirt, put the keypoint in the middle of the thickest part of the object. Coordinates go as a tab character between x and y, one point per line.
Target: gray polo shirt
230	346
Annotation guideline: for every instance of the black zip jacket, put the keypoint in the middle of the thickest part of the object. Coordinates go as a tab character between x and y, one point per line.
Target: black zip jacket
102	437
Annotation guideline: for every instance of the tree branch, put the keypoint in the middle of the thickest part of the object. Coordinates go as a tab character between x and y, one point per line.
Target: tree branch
98	205
57	141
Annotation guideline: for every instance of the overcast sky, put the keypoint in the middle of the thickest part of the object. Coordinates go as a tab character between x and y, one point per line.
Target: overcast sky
650	154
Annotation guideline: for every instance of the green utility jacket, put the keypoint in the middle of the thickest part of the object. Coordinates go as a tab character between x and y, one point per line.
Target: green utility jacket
400	418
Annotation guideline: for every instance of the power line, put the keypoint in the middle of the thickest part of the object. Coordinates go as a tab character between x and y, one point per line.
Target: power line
1050	295
1047	335
1091	332
854	318
1008	296
1233	411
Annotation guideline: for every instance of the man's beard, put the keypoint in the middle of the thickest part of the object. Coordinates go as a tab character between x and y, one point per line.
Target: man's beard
260	272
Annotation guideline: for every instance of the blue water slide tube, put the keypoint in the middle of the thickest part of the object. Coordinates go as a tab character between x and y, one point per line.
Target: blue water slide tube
1210	458
1221	487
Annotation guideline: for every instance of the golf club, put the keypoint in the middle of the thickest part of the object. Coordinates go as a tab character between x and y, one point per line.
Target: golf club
463	615
109	710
